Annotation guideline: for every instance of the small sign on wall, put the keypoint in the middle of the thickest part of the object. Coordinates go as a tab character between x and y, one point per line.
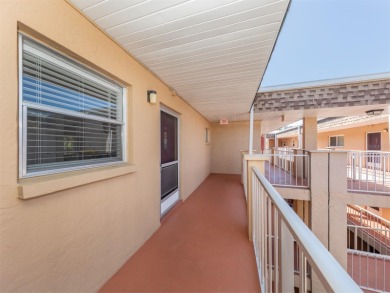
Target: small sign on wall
224	121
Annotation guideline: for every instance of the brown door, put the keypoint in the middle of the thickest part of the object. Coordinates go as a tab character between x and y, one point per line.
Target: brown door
374	145
374	141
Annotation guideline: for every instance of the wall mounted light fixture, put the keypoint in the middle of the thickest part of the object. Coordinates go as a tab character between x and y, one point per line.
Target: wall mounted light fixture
375	112
152	97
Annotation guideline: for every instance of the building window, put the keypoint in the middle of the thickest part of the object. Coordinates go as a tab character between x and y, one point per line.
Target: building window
70	117
207	135
336	141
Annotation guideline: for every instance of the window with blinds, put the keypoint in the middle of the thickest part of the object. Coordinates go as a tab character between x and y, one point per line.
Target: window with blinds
336	141
70	116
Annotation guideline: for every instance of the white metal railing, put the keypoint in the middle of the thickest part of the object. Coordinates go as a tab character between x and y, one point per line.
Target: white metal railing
367	231
275	226
370	271
244	177
266	151
369	171
288	168
366	218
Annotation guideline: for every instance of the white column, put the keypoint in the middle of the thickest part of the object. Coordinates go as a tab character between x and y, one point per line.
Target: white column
388	132
309	137
300	137
286	259
251	132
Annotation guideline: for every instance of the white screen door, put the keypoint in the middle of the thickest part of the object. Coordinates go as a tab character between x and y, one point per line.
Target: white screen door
169	160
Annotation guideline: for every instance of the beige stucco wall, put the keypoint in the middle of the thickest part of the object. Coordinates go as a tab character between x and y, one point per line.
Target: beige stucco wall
386	213
288	142
309	134
226	143
75	239
355	138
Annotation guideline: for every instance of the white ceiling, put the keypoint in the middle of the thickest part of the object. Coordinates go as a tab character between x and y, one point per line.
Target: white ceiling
213	53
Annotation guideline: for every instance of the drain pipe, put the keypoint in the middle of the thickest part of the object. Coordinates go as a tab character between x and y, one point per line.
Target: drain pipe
251	132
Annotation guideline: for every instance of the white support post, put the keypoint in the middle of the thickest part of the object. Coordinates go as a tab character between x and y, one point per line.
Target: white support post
286	258
251	132
300	137
388	130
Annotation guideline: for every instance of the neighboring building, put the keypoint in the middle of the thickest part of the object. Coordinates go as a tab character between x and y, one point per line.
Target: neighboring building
343	133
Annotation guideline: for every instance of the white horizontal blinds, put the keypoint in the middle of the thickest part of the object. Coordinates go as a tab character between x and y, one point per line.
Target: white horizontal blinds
60	83
340	140
56	141
73	116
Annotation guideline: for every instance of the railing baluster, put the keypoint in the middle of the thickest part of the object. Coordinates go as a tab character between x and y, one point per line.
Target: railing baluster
376	273
276	250
264	236
285	168
302	273
368	171
277	270
360	272
287	255
269	245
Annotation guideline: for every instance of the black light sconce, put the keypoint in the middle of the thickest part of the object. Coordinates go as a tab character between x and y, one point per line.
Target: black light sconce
152	97
375	112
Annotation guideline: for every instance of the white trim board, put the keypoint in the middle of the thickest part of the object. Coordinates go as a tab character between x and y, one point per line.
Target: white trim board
169	202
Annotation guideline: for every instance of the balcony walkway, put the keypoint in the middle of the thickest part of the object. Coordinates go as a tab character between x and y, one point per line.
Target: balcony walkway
278	176
202	246
369	187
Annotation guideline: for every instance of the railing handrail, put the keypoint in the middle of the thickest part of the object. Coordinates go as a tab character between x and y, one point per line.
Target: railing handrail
367	228
380	219
365	151
286	155
369	254
330	272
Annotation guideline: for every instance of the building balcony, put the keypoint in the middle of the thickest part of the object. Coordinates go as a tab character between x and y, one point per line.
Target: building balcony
203	246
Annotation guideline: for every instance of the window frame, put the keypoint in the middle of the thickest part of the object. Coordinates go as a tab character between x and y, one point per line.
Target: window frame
207	136
337	141
80	67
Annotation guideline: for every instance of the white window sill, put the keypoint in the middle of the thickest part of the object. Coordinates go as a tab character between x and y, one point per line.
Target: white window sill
38	186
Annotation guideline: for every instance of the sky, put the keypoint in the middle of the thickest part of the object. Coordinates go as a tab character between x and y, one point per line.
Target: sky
326	39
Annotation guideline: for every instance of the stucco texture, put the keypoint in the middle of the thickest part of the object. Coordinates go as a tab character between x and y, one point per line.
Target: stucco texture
75	239
355	137
227	142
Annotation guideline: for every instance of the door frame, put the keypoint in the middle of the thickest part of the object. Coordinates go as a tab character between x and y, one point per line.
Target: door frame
367	133
374	164
174	196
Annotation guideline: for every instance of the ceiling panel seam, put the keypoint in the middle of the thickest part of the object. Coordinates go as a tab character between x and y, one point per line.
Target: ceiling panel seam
215	39
208	54
192	15
112	13
159	11
214	45
146	15
241	54
202	32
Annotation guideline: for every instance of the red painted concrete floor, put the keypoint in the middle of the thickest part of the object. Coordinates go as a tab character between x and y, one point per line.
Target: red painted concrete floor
201	246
